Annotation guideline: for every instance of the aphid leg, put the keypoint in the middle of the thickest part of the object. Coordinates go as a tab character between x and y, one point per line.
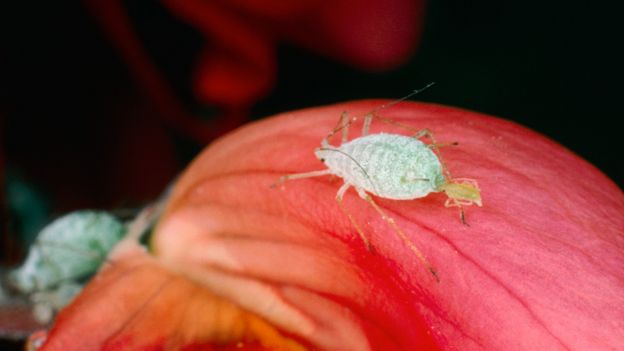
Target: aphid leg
342	125
399	232
339	196
462	216
441	145
459	204
418	133
426	133
435	146
366	125
288	177
344	121
372	115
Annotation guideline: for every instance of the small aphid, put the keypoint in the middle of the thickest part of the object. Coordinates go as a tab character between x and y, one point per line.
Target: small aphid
69	248
64	253
390	166
68	251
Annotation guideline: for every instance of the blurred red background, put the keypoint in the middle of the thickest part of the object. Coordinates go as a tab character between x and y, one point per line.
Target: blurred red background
105	114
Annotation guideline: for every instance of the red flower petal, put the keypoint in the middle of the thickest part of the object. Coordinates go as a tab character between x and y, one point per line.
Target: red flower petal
539	267
137	304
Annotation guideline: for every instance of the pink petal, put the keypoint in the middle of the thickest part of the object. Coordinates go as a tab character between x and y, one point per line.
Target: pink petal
539	267
135	303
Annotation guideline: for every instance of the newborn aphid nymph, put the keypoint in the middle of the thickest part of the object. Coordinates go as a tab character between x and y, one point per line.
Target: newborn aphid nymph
390	166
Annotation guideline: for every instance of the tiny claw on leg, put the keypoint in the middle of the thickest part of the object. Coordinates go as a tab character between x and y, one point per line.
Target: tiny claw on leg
399	232
462	217
435	274
370	248
339	196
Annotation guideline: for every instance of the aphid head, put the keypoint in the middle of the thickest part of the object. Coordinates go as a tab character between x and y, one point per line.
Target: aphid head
462	192
321	153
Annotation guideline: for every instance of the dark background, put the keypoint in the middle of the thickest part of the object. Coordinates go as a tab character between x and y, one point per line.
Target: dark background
553	66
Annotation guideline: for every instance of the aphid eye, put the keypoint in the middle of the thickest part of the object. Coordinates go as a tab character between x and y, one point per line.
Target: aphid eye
322	160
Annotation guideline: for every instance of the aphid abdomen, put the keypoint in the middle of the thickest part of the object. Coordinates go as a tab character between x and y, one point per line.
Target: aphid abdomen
387	165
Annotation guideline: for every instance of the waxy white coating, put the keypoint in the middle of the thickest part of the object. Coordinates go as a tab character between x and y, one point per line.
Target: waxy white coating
387	165
71	247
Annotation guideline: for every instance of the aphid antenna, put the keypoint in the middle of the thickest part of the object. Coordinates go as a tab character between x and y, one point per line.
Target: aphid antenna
392	103
374	112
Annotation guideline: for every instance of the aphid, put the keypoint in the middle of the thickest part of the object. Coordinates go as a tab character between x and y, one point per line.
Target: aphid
390	166
70	250
64	253
71	247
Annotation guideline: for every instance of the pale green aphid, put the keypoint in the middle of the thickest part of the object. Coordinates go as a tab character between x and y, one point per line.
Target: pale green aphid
72	247
390	166
397	167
